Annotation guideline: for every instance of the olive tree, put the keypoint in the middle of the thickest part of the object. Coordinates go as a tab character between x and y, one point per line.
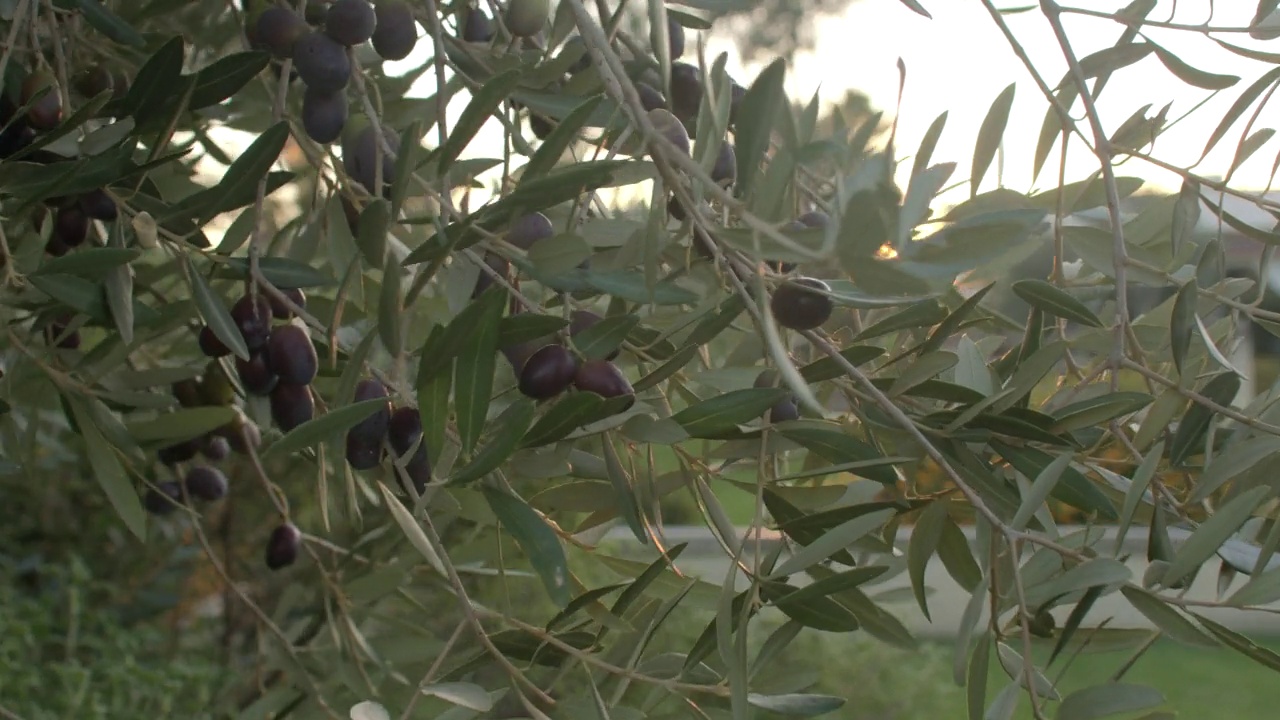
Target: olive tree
390	411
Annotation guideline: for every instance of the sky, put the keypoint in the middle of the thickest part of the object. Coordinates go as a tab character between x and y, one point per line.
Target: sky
959	62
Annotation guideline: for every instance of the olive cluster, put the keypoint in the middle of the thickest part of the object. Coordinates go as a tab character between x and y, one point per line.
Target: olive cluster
282	360
400	428
321	55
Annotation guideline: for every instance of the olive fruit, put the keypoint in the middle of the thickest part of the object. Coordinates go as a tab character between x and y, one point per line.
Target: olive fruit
279	310
814	219
278	30
499	265
580	320
525	18
670	128
163	499
255	373
519	354
215	447
71	225
323	114
650	97
577	44
291	356
98	205
675	38
548	372
364	439
58	329
178	452
188	393
362	453
210	345
602	378
215	386
44	112
403	431
784	410
800	305
396	33
686	91
541	126
350	22
253	319
55	247
725	171
526	230
779	265
676	209
476	26
322	63
242	435
205	483
283	546
96	80
360	153
291	405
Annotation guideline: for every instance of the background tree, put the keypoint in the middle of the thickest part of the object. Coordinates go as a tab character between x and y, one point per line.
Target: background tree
341	431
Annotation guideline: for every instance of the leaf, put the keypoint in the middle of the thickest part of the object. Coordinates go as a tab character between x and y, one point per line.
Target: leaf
1240	643
831	542
827	368
924	153
215	313
372	228
1193	427
1190	75
369	710
1261	589
1107	700
714	416
796	705
536	538
109	24
239	184
1044	484
560	139
1237	108
920	550
1167	619
107	470
411	530
283	273
757	115
954	320
623	492
319	429
1182	322
1014	664
225	77
1137	488
568	414
1206	540
839	448
923	314
916	8
483	104
182	425
629	285
990	135
462	694
93	262
526	326
473	379
925	367
390	310
503	441
1055	301
1073	489
1098	411
600	340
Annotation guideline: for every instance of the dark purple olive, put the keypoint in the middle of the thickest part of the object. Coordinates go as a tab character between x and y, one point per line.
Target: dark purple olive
784	411
476	26
397	33
581	320
210	345
529	229
291	406
57	328
97	204
602	378
650	97
351	22
71	225
253	319
800	304
283	546
499	265
179	452
279	310
215	447
206	483
363	454
242	435
163	499
291	356
255	374
814	219
404	430
548	372
675	37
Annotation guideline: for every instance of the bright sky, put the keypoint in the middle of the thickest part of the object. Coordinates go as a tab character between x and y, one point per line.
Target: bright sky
959	61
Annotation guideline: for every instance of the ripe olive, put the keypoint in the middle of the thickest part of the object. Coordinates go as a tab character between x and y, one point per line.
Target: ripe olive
602	378
178	452
206	483
321	62
360	153
279	310
278	29
529	229
779	265
362	453
323	114
784	411
210	345
188	393
736	93
476	26
253	319
44	113
675	36
215	447
405	429
350	22
499	265
541	126
215	386
242	435
255	373
650	97
671	128
725	171
291	356
58	329
799	305
548	372
163	499
580	320
283	546
396	33
98	205
686	91
814	219
291	405
71	225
